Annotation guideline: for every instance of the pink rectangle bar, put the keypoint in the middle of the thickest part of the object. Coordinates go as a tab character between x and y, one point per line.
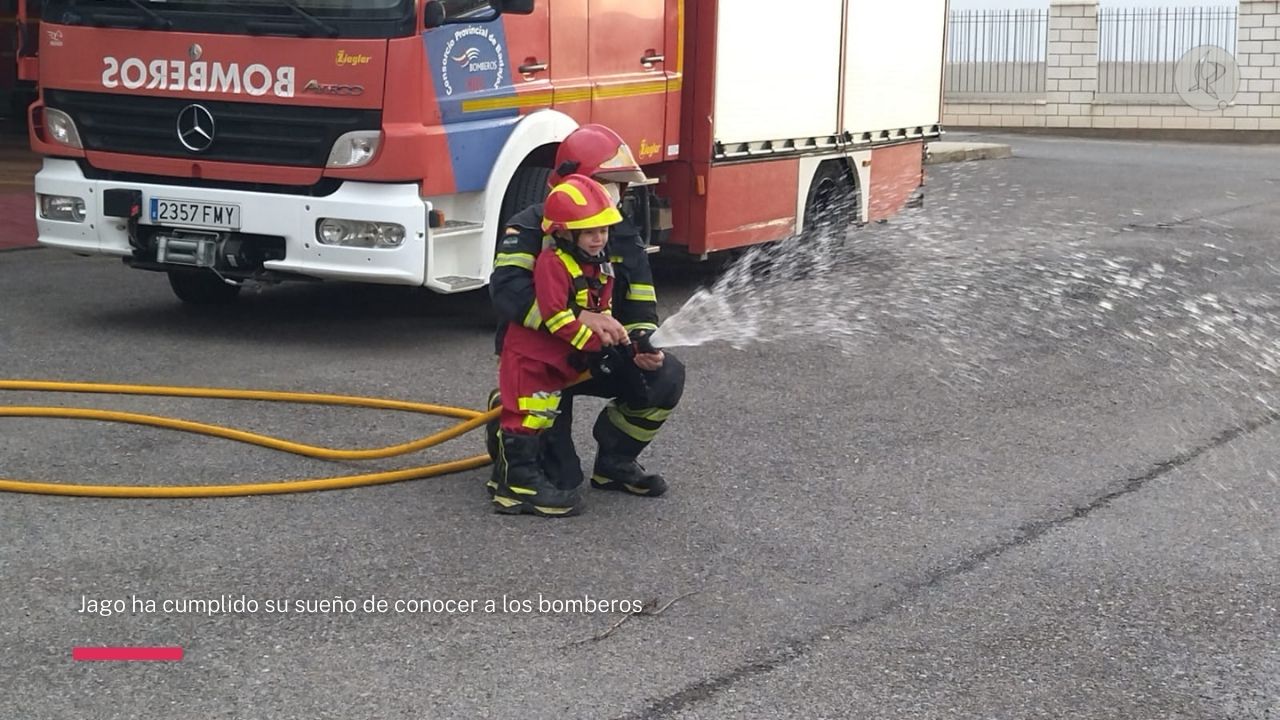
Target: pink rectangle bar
126	653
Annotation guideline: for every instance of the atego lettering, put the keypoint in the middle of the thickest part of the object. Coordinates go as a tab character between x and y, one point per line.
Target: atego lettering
211	77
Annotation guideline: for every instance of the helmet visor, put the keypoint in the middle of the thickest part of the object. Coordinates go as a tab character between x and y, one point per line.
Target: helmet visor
621	168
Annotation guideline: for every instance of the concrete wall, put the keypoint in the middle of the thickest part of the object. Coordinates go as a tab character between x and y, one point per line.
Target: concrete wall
1071	98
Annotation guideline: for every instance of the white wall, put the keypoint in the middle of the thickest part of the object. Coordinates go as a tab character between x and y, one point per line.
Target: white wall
1071	99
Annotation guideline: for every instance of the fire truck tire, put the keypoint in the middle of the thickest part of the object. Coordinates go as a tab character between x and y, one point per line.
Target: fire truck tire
528	186
201	288
833	197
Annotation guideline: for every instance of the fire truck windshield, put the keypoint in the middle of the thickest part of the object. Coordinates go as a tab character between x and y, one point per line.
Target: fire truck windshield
299	18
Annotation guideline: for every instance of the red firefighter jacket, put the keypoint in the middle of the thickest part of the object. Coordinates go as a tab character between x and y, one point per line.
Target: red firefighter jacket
564	288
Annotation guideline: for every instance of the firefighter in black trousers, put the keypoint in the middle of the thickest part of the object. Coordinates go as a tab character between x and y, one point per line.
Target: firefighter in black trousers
623	429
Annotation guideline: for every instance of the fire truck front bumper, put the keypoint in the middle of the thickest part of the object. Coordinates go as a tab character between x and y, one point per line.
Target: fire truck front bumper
361	232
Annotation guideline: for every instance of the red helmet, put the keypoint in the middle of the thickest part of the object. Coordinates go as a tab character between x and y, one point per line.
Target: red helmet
579	203
597	152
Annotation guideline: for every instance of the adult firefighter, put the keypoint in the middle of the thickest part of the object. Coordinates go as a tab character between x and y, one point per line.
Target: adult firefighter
623	429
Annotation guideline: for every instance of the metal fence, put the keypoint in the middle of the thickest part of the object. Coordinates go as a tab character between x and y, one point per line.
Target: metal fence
1138	49
996	51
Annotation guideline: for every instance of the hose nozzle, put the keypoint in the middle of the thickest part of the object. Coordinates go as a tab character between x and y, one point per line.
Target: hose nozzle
641	342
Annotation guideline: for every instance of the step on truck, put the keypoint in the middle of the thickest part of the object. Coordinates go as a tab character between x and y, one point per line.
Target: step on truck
386	141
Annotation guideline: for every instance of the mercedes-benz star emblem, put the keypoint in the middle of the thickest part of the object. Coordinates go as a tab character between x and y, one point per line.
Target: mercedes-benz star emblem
195	51
195	128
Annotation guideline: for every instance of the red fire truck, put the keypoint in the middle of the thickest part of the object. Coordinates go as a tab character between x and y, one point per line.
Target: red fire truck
385	141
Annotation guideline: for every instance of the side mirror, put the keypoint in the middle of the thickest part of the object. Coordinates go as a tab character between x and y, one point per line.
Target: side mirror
440	12
518	7
434	15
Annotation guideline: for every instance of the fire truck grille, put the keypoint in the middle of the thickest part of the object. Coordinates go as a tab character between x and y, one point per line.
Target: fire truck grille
224	131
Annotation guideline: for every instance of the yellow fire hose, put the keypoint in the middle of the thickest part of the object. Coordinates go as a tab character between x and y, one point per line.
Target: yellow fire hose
472	419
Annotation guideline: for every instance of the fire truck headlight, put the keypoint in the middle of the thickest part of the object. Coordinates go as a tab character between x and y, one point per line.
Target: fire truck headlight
359	233
62	207
61	128
355	149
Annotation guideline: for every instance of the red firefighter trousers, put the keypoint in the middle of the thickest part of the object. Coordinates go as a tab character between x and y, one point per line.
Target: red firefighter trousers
531	390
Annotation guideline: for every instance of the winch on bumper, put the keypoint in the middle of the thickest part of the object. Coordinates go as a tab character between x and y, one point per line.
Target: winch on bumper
361	232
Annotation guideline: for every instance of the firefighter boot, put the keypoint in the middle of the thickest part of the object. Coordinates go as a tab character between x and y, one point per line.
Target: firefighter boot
522	485
491	443
616	467
559	457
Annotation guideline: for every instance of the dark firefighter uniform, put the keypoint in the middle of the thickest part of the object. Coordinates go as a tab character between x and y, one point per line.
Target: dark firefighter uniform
621	430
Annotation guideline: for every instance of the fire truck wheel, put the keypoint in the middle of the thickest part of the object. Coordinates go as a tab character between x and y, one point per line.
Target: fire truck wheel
528	186
201	288
833	198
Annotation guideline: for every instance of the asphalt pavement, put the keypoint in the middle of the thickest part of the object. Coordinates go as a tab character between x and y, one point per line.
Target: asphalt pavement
1038	481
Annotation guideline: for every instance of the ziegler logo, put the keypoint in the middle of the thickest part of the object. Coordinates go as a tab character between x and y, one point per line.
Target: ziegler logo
346	58
315	86
648	149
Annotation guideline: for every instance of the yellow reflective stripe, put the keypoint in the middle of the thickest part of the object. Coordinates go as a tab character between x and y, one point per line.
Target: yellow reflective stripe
629	90
560	319
533	318
634	431
540	402
574	268
574	194
535	422
650	414
572	95
582	337
547	98
582	297
607	216
641	326
642	292
520	260
679	41
535	99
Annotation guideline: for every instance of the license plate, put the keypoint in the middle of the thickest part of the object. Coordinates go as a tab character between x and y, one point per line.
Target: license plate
198	214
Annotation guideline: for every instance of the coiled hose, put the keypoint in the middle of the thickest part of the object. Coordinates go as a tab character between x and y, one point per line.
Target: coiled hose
472	419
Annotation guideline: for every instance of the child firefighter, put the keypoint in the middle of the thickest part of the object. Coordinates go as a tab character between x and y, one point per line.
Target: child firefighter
571	275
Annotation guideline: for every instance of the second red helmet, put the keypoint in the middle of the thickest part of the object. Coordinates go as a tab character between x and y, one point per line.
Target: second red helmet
597	152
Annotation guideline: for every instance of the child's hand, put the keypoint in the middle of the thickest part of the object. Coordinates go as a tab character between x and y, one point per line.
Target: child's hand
606	327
